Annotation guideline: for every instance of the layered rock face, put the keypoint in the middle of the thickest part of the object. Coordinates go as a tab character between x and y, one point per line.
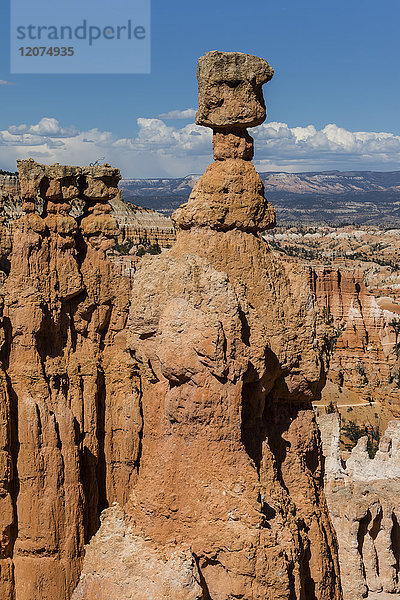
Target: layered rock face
69	419
135	224
141	225
228	498
362	496
9	184
137	228
9	191
365	358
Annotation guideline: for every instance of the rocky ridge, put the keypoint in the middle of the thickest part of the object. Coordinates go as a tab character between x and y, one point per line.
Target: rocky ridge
364	197
365	358
136	225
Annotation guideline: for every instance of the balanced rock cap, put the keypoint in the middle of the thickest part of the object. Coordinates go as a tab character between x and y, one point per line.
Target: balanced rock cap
230	89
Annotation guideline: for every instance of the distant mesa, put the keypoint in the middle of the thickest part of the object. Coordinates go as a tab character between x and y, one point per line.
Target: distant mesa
348	197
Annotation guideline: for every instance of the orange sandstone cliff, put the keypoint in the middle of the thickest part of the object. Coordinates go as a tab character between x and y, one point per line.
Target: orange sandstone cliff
158	441
365	359
70	422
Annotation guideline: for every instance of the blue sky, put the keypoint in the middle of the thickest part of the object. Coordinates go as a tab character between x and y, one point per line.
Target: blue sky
336	65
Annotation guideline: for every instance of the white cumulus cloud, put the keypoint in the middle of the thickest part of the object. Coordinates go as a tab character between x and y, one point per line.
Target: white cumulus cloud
46	127
187	113
160	149
332	147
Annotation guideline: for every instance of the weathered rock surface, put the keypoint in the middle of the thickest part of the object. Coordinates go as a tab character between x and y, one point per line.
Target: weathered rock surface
9	197
9	185
136	225
70	423
364	359
121	563
231	351
363	499
230	195
230	89
181	407
141	225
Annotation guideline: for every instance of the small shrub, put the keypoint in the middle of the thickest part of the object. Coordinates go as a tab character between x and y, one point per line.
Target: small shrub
124	248
331	408
354	432
395	326
360	369
373	444
154	249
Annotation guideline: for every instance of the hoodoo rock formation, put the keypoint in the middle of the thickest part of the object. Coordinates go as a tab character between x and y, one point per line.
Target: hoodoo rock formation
69	418
157	436
227	499
136	225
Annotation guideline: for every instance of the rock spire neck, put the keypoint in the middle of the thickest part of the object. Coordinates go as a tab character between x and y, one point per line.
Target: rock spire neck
230	195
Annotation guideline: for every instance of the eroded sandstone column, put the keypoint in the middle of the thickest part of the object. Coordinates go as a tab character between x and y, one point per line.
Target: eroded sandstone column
230	195
63	310
228	501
